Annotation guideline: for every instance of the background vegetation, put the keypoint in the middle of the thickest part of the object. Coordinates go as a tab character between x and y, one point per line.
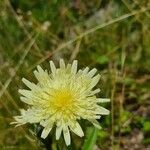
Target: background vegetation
111	35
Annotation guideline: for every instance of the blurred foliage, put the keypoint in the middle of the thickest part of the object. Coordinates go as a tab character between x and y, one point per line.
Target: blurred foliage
120	51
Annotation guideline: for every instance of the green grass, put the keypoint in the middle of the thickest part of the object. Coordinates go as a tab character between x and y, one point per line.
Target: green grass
113	36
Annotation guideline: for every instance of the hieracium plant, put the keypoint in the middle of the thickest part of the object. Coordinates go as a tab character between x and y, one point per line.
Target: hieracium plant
61	98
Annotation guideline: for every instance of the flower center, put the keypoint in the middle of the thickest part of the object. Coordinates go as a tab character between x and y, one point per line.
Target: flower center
63	99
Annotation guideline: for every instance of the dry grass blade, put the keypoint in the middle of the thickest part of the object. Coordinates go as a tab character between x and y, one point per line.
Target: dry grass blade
21	23
17	67
112	106
10	98
136	17
63	45
75	51
137	2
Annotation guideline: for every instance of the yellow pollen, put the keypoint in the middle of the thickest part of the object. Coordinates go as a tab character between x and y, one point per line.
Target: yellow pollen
63	99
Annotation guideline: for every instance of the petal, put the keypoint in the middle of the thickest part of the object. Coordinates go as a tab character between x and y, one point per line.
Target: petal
25	93
85	71
77	129
20	120
92	73
95	91
28	83
66	135
36	73
26	100
74	67
32	115
45	122
46	131
40	70
48	124
95	81
95	123
68	67
53	68
42	77
102	100
62	64
102	111
58	132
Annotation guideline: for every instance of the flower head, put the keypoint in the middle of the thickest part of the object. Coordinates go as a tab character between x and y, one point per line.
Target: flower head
61	98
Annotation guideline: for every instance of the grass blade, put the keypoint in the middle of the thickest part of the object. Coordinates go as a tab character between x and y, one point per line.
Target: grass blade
91	139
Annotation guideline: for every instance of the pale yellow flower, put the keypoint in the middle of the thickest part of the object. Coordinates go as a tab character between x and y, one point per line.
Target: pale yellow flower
61	98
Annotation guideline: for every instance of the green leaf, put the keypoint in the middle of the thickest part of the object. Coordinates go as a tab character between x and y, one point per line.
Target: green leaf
91	138
102	59
146	127
146	141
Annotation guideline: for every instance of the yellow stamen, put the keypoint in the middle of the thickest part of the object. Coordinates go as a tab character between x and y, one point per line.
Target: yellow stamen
62	99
